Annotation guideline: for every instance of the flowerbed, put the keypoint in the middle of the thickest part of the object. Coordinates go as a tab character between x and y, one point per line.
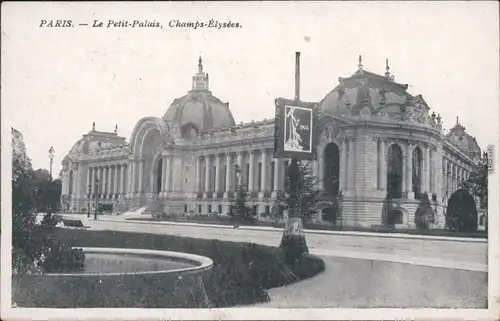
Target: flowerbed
241	274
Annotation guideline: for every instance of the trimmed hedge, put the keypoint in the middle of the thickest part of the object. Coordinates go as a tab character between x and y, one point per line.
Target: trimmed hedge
241	274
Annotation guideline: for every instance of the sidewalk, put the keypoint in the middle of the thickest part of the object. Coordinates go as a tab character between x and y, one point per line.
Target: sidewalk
132	219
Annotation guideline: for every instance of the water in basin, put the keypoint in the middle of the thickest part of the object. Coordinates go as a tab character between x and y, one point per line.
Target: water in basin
129	263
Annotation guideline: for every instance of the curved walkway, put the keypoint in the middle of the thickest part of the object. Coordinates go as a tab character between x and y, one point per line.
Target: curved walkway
353	283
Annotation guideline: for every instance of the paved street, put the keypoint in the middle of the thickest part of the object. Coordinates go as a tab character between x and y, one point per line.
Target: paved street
470	256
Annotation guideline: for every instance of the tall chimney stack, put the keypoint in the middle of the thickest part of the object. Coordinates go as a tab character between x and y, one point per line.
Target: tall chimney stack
297	76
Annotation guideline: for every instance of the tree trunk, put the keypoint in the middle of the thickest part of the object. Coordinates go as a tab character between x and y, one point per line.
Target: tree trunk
293	243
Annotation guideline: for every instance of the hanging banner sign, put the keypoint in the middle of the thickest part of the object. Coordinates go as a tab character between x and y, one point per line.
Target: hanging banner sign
294	129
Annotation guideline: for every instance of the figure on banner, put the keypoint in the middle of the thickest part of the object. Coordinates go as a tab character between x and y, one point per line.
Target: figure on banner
294	141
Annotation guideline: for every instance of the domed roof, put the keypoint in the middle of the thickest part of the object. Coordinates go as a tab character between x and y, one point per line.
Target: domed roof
199	108
366	89
459	137
96	140
371	95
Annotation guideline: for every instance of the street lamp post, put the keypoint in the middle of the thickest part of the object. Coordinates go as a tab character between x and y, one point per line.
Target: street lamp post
89	196
49	190
237	193
51	158
96	189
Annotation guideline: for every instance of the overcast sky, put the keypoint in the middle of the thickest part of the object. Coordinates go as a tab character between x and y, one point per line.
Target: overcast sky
57	81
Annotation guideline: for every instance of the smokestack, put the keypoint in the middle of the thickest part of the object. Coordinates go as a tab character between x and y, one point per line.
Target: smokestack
297	76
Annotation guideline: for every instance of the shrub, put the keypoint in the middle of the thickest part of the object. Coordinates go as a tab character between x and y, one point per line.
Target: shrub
423	213
461	212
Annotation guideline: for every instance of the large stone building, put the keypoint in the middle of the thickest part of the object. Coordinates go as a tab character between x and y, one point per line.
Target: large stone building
374	139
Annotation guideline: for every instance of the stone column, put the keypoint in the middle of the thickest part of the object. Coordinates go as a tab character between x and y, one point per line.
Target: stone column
350	166
277	177
229	175
251	176
409	172
141	179
198	174
131	180
87	185
342	166
92	173
122	179
110	180
453	177
104	181
163	186
115	183
321	166
217	175
445	176
427	170
380	160
263	174
168	176
207	175
384	164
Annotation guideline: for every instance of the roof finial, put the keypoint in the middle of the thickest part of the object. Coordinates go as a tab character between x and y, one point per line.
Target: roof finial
93	126
116	128
387	72
200	65
360	64
457	120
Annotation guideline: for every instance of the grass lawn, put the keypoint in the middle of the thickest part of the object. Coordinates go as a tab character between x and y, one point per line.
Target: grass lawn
217	220
241	275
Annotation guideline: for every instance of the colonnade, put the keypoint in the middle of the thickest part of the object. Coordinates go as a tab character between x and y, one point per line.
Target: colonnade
107	181
216	173
453	174
428	176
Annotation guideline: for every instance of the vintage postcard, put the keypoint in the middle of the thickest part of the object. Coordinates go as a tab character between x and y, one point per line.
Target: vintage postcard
250	160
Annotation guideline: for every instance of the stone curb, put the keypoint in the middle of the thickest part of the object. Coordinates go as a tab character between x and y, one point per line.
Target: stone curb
342	233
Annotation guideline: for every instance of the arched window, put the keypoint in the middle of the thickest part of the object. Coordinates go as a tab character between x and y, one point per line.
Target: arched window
394	171
331	169
416	180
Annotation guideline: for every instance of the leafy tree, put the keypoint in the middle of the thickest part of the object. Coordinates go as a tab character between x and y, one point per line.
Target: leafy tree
461	212
23	206
477	183
240	211
33	248
302	195
300	198
48	192
425	213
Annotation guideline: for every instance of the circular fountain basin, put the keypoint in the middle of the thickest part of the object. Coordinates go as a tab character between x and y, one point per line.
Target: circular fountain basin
115	277
115	261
